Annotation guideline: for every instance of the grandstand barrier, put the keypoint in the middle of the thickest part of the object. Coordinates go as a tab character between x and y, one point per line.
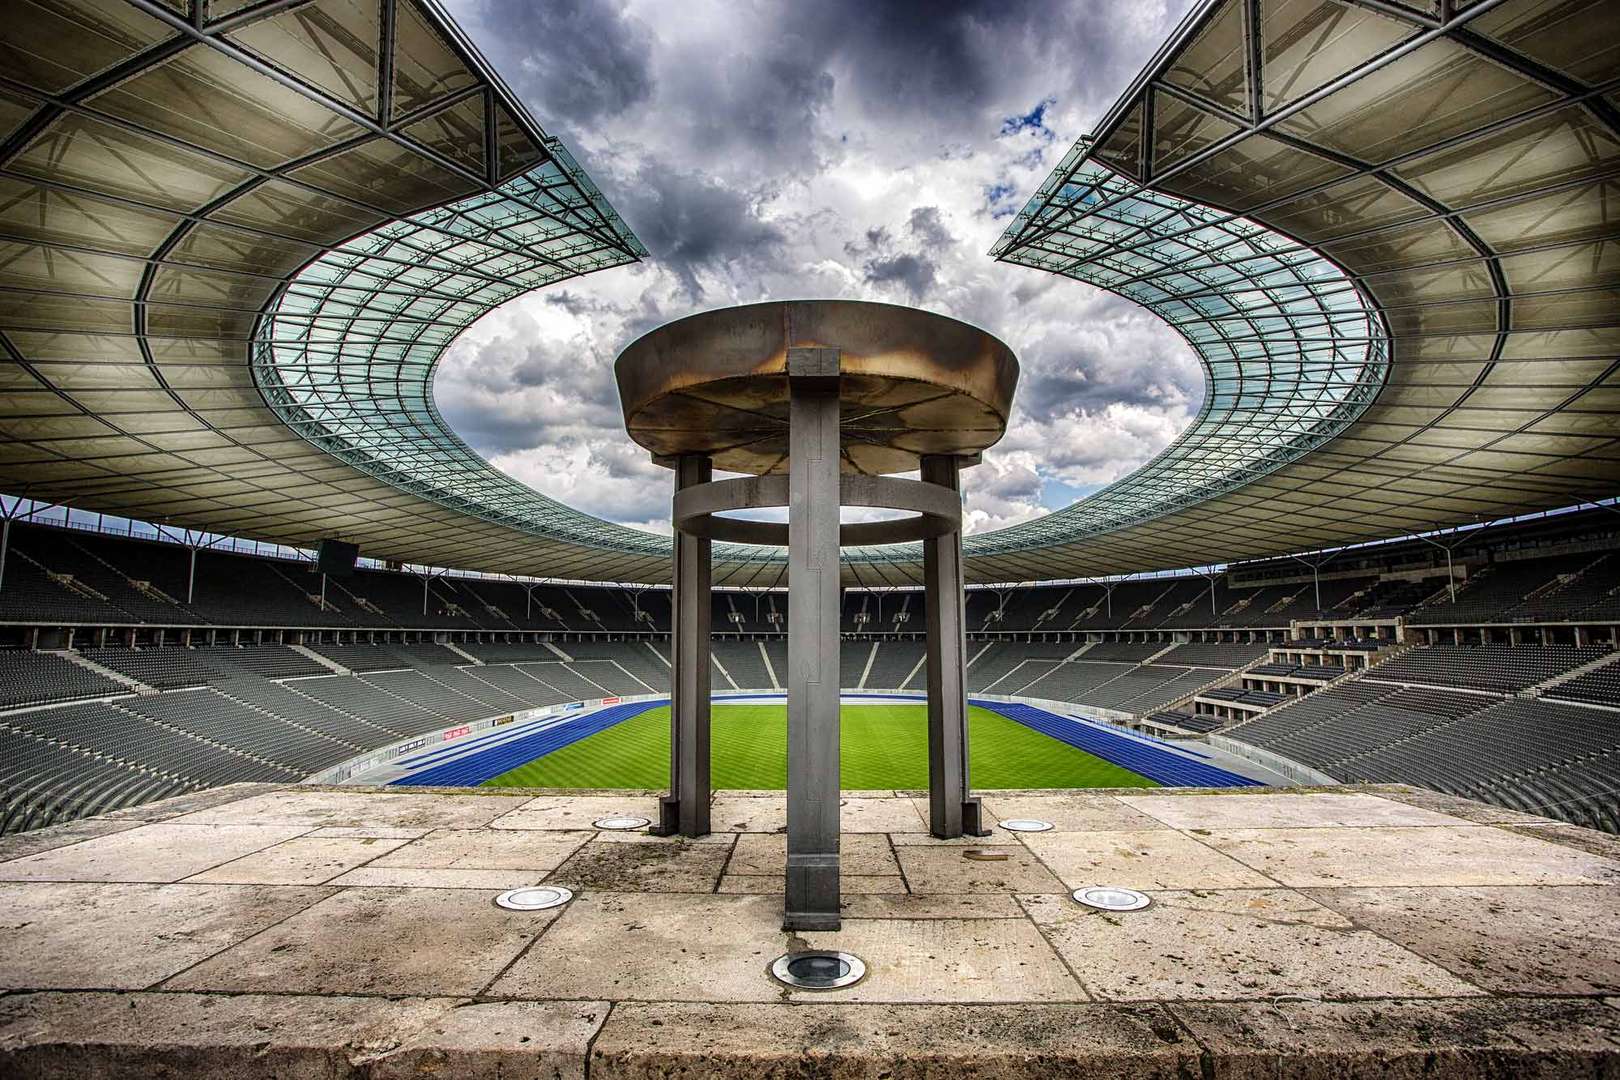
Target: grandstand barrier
1300	774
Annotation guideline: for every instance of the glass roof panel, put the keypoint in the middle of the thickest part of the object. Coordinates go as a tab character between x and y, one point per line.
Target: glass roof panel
1306	44
52	44
212	101
331	44
1215	65
426	68
1579	38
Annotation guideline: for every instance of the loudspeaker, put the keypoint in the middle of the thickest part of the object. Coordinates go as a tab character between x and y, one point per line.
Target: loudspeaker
335	558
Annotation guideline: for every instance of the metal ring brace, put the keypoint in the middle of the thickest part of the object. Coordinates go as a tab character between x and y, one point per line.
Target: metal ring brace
936	510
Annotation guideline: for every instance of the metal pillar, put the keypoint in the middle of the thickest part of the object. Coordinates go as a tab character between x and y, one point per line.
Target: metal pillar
951	811
685	810
812	901
5	546
191	578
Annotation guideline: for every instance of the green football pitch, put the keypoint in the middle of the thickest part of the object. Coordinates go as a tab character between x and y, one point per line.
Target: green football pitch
883	746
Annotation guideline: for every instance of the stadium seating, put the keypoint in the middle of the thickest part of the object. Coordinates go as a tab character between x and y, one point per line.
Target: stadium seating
30	678
246	703
1599	687
1500	668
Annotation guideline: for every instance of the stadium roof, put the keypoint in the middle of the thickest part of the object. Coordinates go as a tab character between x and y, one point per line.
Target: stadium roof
238	238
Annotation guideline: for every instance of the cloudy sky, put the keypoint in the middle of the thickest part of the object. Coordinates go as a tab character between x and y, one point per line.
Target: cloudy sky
782	149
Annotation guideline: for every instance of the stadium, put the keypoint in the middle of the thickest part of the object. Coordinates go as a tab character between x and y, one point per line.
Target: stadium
1320	706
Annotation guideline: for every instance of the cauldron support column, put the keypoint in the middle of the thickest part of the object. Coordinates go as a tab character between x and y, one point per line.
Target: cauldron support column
813	610
685	810
951	811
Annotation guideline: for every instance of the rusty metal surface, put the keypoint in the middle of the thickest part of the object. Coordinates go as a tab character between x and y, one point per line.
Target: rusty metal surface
913	382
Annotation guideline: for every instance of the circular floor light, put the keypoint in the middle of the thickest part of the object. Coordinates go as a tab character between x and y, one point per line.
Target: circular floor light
1026	825
534	898
621	822
818	970
1112	898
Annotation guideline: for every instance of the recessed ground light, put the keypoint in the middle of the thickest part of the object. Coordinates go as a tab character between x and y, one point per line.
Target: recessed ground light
1026	825
1112	898
984	855
621	822
818	970
534	898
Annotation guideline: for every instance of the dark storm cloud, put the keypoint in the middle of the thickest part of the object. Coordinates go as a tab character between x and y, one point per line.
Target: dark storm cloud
693	222
911	266
954	56
927	224
584	59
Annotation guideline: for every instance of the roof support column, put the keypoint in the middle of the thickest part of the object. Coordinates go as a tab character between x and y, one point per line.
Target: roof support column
685	810
951	811
812	901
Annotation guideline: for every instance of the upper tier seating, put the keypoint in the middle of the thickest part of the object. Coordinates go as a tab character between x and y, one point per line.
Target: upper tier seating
1229	655
1500	668
29	678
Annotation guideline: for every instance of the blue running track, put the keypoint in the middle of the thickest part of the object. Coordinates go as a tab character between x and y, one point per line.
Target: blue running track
480	765
1146	760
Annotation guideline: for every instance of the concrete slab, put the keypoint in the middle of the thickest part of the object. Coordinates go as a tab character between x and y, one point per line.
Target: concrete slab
1470	1039
643	1041
748	813
997	838
1069	813
574	812
1467	855
1456	806
425	976
776	884
412	877
1282	811
654	946
983	960
1232	945
1587	840
17	845
668	867
642	836
936	906
292	1036
380	832
880	816
486	849
859	853
303	860
167	851
126	937
380	941
946	870
1520	939
175	806
359	806
1159	858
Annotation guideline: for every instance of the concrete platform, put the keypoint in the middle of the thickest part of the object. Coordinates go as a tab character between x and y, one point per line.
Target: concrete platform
259	931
